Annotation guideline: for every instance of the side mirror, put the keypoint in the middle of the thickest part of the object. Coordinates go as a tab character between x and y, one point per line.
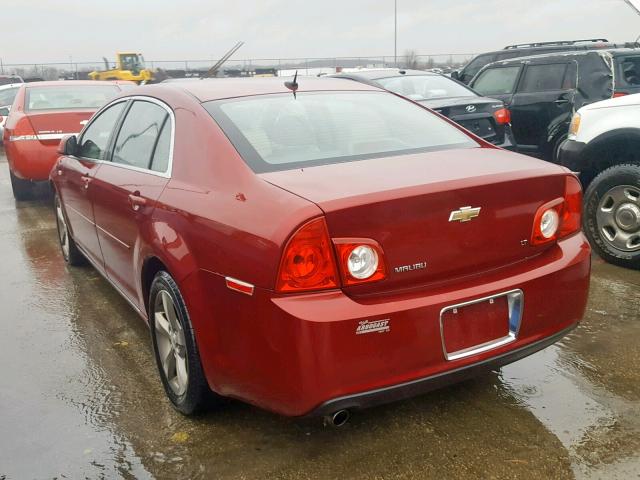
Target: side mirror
68	145
455	74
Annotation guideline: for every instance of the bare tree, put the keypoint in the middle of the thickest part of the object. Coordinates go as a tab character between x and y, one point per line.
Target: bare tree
410	59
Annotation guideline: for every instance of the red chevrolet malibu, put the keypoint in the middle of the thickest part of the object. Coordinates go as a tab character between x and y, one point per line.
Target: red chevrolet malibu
42	113
319	250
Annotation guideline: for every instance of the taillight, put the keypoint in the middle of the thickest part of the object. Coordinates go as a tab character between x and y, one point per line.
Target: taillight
361	260
619	94
502	116
23	130
571	219
308	262
561	217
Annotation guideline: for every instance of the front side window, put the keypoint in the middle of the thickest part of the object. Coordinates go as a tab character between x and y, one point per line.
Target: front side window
497	81
66	97
475	65
138	135
424	87
543	78
280	132
95	138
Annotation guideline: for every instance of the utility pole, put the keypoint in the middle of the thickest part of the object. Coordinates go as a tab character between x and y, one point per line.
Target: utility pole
395	33
1	67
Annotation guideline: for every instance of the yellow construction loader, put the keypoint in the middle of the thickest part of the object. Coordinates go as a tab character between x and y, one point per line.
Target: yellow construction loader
129	66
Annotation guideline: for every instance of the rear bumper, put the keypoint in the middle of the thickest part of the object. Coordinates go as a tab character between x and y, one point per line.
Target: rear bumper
571	155
31	159
423	385
301	355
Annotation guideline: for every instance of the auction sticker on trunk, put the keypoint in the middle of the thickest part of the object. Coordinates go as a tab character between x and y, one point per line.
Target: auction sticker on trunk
379	326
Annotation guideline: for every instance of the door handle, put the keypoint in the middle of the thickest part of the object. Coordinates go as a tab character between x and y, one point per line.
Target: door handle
561	101
136	201
86	180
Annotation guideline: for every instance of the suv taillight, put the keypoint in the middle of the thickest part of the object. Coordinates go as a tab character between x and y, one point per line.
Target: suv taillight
619	94
502	116
561	217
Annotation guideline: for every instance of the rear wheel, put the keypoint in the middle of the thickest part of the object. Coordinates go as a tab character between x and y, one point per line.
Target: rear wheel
612	215
175	347
22	189
70	251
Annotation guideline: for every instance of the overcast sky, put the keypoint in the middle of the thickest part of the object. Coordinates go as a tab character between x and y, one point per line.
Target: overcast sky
50	31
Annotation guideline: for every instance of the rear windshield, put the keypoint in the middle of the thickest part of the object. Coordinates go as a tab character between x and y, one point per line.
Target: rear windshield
425	87
8	80
629	71
69	97
7	95
280	132
496	81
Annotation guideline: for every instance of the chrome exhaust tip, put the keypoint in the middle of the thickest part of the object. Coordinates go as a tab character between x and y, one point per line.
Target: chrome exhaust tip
338	419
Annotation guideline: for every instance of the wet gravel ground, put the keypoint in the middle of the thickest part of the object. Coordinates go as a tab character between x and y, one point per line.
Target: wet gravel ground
80	396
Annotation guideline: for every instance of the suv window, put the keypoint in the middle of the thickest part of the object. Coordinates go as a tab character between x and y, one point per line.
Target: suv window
7	95
541	78
630	70
95	138
137	137
475	65
497	81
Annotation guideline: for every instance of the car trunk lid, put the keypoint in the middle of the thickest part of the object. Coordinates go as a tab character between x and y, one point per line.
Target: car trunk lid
406	204
50	127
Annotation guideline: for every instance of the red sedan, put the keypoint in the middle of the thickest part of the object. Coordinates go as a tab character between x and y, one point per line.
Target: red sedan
323	250
42	113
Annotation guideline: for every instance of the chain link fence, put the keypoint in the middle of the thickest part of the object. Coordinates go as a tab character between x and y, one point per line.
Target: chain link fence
243	67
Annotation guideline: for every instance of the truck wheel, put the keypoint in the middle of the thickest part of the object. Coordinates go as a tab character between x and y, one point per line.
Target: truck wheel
22	189
612	215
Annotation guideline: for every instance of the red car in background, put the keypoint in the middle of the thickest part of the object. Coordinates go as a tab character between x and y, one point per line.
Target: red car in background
322	250
42	113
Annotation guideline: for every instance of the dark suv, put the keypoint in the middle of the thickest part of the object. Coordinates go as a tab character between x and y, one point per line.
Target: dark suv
526	50
542	92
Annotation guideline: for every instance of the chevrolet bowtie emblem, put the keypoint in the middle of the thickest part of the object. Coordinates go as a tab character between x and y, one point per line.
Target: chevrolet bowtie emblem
465	214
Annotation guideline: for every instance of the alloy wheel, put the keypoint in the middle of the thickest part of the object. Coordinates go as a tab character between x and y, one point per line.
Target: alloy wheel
171	343
618	217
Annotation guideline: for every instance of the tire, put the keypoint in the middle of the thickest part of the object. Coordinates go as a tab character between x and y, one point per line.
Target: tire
70	252
611	217
22	189
175	347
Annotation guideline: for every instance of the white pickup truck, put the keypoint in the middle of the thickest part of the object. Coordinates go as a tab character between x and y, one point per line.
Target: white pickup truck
604	147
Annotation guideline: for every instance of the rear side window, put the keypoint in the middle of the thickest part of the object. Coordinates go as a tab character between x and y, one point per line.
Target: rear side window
630	71
138	135
497	81
281	132
95	138
541	78
160	160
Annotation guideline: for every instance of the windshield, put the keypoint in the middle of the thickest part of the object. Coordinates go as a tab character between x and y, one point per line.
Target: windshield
425	87
69	97
281	132
496	81
7	95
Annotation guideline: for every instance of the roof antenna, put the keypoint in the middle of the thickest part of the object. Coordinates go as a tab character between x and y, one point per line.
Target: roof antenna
293	86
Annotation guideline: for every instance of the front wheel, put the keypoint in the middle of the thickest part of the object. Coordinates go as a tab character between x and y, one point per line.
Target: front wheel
612	215
175	347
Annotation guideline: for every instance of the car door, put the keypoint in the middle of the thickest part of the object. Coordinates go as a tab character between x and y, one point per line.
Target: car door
544	97
126	188
75	174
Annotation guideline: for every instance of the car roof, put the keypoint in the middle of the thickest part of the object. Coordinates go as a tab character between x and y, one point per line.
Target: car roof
557	55
209	89
62	83
377	74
